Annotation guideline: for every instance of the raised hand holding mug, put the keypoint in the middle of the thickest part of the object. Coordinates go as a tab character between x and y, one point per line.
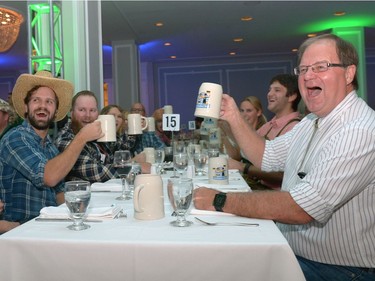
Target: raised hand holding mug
148	197
135	124
108	124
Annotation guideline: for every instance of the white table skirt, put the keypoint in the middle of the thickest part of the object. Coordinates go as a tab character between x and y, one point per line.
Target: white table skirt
129	249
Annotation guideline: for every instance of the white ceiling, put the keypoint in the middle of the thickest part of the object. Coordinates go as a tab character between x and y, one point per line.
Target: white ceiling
201	29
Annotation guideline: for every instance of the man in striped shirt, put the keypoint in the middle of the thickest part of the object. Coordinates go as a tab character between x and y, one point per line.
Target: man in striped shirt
326	206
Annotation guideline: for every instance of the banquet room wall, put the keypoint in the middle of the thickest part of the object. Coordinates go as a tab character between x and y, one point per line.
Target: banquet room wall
177	82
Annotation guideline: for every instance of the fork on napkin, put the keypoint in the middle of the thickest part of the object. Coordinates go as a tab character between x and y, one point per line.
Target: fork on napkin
98	213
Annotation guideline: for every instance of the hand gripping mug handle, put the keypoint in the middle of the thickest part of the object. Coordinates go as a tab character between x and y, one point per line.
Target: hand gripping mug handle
137	206
146	122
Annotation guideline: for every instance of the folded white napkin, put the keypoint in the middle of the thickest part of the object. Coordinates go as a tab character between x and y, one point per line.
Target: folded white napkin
110	185
62	212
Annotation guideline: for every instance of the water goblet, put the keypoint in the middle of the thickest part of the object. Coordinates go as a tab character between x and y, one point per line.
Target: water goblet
159	159
181	162
122	163
130	178
200	163
168	154
77	198
180	194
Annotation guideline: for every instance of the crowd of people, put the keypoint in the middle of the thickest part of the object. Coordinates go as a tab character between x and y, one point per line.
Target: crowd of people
314	172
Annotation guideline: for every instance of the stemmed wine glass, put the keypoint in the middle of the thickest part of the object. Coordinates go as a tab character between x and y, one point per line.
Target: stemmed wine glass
200	163
77	199
122	163
180	194
159	159
181	162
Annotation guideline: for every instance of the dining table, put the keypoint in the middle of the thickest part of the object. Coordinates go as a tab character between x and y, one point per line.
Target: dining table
124	248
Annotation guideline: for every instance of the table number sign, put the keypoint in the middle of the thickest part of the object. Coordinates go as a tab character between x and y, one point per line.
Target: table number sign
192	125
171	122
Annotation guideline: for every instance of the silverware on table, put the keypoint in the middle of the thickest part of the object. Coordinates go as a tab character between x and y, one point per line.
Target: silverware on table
226	223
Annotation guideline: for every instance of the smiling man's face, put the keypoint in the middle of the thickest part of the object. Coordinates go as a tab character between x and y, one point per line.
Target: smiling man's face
41	108
323	91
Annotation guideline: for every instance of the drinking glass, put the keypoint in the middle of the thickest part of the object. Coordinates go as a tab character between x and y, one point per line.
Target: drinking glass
180	194
181	162
122	163
200	163
135	170
77	199
159	159
168	151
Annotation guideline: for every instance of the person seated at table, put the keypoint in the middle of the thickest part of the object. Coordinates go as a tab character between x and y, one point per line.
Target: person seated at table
95	162
164	136
325	208
252	111
147	139
31	168
283	99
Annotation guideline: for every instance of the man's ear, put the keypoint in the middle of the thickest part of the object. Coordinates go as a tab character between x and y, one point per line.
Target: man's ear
350	73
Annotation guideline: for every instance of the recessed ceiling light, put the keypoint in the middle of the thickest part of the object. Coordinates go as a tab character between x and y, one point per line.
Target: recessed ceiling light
311	35
246	18
238	39
173	57
232	53
295	50
167	44
338	14
158	24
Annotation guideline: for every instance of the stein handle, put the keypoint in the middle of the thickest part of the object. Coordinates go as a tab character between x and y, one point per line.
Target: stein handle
146	122
137	190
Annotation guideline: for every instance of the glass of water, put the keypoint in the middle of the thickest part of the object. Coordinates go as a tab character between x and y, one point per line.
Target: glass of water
181	162
200	163
136	169
180	194
77	199
159	159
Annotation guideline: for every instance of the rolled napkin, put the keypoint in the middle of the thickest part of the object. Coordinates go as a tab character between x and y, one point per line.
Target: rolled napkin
62	212
110	185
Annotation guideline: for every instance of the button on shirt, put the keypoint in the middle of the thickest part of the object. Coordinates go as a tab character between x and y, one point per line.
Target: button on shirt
338	190
23	156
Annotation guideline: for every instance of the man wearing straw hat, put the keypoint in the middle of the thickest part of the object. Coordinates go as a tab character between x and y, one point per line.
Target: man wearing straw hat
31	168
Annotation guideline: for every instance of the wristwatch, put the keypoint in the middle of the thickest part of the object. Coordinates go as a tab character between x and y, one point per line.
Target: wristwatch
219	201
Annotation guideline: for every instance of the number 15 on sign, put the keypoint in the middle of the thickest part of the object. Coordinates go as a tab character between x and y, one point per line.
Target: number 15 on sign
171	122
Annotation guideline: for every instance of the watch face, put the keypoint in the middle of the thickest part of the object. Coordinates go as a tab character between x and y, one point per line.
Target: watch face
219	201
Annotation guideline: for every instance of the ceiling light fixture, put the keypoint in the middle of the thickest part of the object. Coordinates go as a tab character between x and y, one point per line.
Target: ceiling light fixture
232	53
339	14
311	35
246	18
159	24
10	22
167	44
238	39
173	57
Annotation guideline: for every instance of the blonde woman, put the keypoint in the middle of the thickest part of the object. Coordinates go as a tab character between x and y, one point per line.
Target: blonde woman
252	111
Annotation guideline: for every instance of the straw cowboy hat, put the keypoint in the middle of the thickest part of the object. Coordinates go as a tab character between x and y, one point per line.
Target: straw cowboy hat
62	88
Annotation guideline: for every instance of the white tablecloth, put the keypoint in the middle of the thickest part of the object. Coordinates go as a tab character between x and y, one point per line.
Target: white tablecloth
129	249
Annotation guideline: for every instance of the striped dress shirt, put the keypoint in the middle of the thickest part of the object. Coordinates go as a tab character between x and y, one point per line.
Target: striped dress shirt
338	190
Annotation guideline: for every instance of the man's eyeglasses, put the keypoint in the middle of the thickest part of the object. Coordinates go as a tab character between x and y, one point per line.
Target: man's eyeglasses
136	110
316	67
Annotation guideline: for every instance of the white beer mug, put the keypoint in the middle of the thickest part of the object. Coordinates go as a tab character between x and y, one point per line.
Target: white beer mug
218	170
151	124
150	154
148	197
209	100
108	124
135	124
